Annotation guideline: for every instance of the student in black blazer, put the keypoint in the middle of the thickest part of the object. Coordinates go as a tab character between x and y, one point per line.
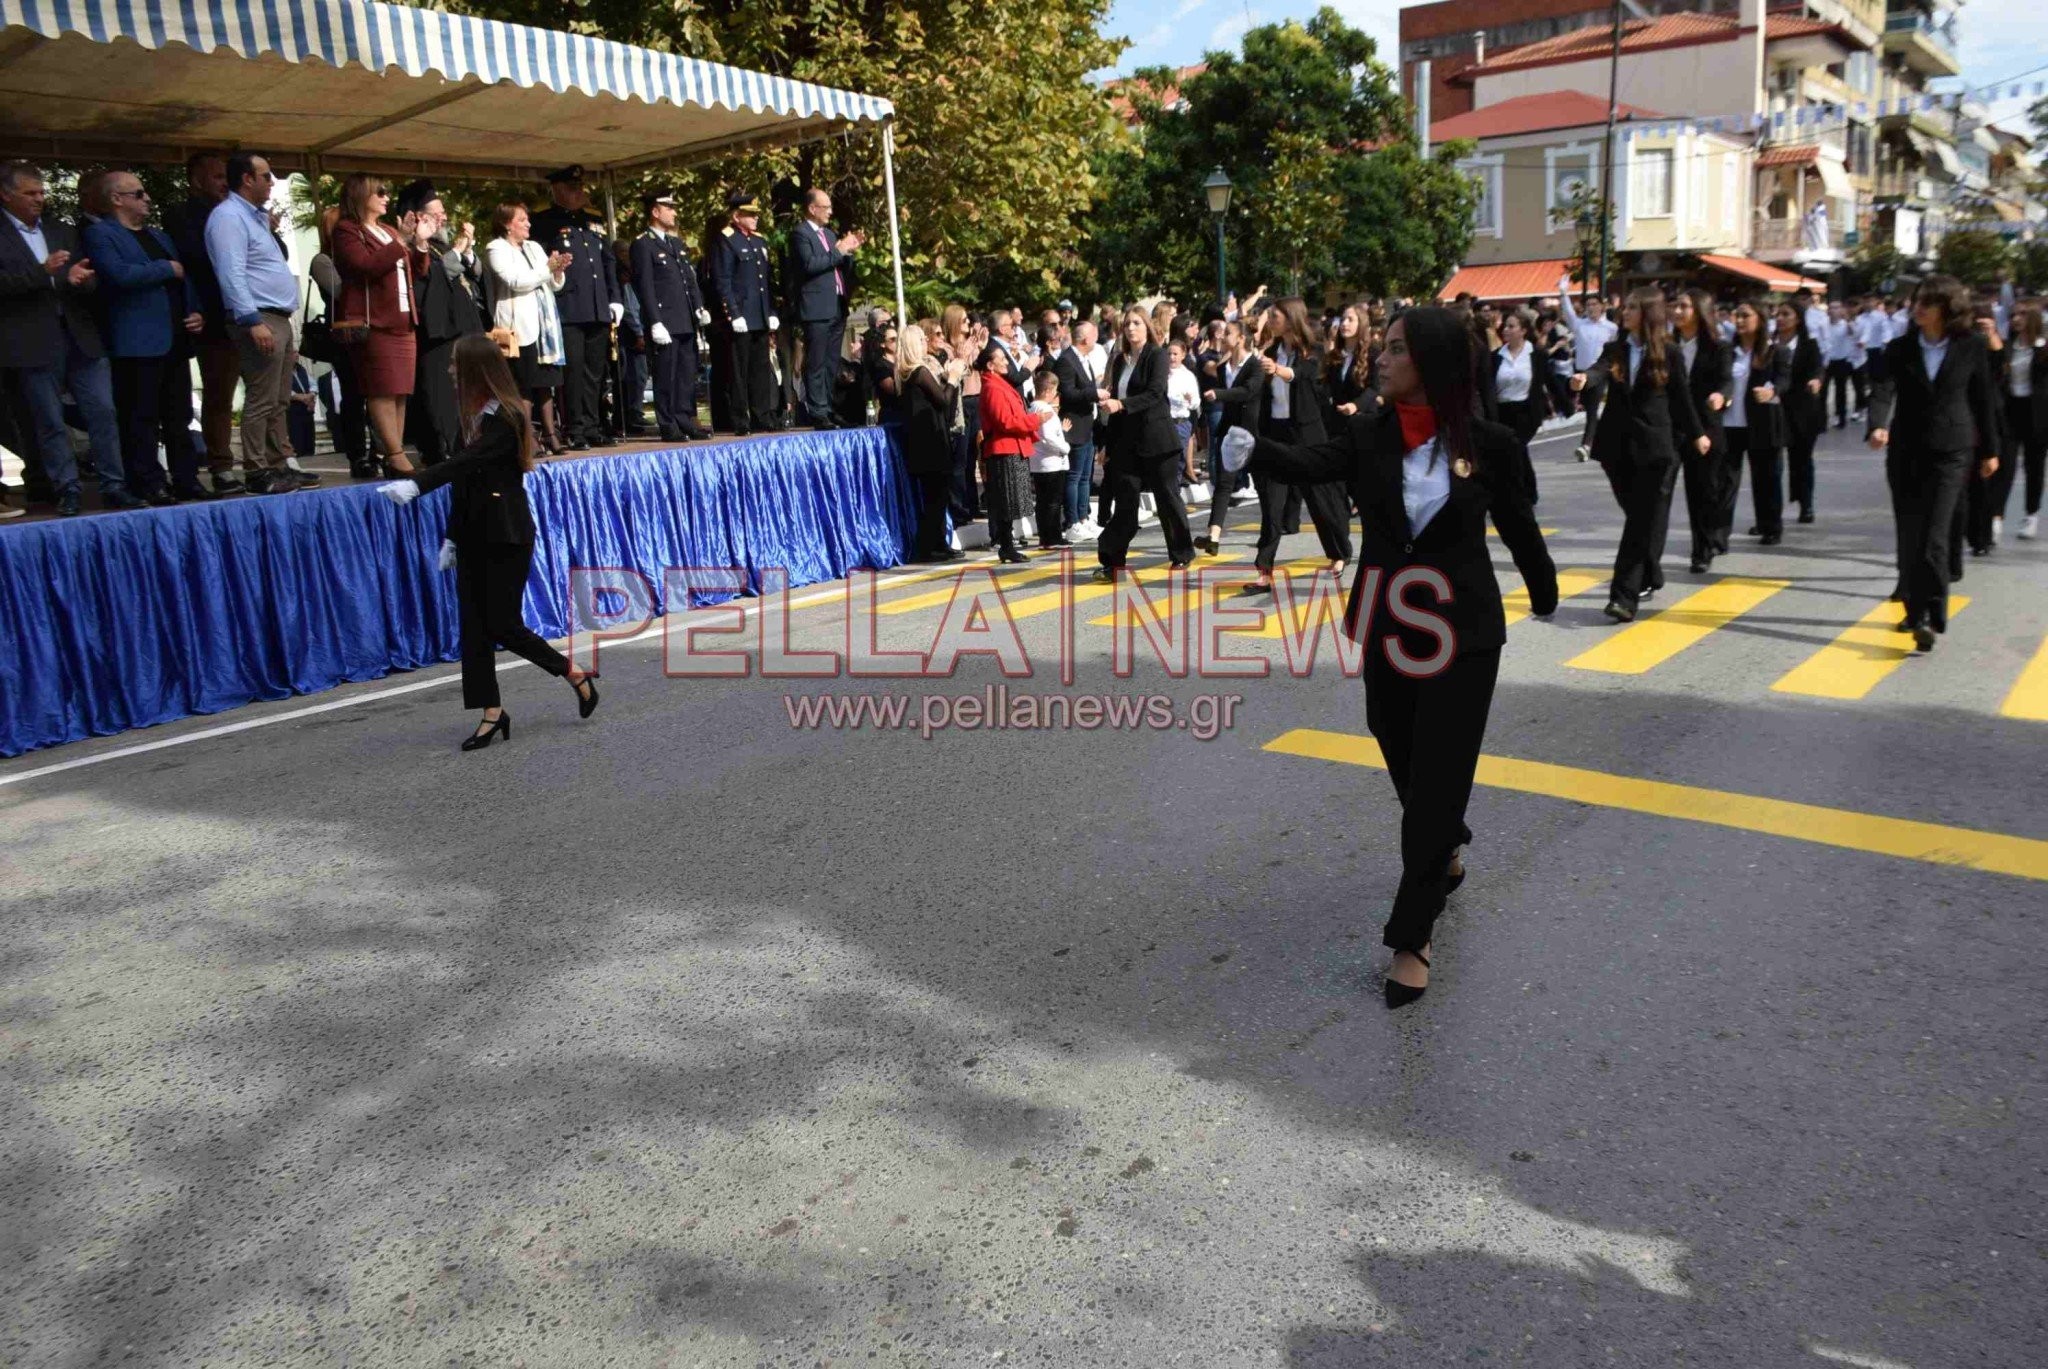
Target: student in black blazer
1933	410
1294	414
1646	422
1429	677
1750	430
2026	409
1984	498
1240	388
1800	377
1709	371
1349	367
1143	449
490	534
1514	374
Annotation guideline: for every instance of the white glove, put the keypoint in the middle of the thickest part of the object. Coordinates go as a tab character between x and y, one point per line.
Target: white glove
618	312
446	560
703	317
773	323
400	492
739	325
1237	449
660	334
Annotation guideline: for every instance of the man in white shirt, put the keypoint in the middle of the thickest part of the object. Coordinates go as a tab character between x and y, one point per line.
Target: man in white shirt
1590	336
1873	331
1815	314
1843	353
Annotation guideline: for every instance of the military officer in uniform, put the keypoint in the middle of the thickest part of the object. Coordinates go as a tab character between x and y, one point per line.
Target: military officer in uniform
743	282
671	312
590	302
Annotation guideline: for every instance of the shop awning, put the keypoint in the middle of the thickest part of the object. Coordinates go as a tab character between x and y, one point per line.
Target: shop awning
354	85
1509	280
1770	277
1834	177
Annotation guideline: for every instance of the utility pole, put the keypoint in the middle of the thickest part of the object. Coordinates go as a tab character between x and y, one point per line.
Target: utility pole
1607	161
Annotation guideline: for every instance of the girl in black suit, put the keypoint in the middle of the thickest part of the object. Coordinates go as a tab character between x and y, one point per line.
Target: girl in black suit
1426	475
1349	367
1749	429
1143	451
1800	377
2026	409
1647	419
1933	410
1294	414
1708	367
1239	390
490	534
1516	372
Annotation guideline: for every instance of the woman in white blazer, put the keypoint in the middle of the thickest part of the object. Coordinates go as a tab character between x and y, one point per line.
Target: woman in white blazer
524	281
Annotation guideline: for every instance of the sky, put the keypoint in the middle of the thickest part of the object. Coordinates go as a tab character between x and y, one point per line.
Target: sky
2000	38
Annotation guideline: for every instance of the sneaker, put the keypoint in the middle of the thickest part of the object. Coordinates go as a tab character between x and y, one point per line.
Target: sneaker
1582	453
226	482
279	481
304	479
2030	527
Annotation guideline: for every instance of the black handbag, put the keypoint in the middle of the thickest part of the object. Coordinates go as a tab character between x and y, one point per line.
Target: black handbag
316	335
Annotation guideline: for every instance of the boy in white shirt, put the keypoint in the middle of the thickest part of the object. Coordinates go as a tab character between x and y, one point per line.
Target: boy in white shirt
1183	402
1049	460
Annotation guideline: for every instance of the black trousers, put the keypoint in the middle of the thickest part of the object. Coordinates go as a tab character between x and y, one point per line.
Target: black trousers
1734	453
1644	492
934	489
152	400
633	373
2026	446
966	499
1842	378
350	426
1430	731
584	347
489	580
1328	504
1927	491
822	341
1767	488
1049	494
1525	416
1987	496
1123	482
1704	477
675	385
434	423
1799	468
1589	401
750	385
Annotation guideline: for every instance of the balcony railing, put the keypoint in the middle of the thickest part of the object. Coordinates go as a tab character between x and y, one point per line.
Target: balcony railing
1927	46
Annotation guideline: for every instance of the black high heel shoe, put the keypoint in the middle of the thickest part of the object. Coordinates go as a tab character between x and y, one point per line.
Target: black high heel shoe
481	739
1400	995
586	701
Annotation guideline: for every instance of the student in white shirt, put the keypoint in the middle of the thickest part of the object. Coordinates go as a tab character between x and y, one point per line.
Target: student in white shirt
1183	402
1873	331
2026	407
1049	460
1843	353
1590	337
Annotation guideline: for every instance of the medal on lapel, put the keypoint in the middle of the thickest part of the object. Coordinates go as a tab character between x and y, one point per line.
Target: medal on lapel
1462	468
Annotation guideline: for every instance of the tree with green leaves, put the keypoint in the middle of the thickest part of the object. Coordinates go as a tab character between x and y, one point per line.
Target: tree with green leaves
998	131
1974	256
1331	189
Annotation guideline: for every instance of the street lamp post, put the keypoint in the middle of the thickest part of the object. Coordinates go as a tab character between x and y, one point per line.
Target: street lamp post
1217	188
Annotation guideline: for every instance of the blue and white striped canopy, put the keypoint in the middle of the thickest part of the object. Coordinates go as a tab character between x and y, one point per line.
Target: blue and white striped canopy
197	57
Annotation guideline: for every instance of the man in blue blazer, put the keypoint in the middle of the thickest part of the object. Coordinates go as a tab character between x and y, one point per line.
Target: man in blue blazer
49	341
821	278
150	313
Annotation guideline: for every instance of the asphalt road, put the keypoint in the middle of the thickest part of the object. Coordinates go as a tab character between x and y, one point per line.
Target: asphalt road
684	1036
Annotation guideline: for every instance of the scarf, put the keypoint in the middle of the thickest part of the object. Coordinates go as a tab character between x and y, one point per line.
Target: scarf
1418	424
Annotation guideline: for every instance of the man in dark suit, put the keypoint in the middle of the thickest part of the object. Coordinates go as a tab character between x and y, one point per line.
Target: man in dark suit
671	312
821	271
743	290
1933	410
1144	452
1077	410
220	366
50	343
590	303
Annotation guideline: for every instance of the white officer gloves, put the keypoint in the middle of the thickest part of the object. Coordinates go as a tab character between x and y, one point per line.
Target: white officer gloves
618	312
1237	449
703	318
773	323
446	560
400	492
659	332
739	325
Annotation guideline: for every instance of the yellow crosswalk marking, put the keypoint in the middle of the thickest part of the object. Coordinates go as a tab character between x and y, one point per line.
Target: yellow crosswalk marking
1033	605
1305	564
1569	583
1968	847
2029	697
1857	661
1652	641
1045	570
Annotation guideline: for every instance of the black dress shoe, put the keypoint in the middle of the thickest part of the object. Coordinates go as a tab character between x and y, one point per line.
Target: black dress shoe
1771	539
1010	556
193	493
1103	576
1923	638
307	480
696	434
1208	546
1400	995
1755	531
1698	567
161	497
586	698
121	499
481	738
1619	612
1806	515
67	505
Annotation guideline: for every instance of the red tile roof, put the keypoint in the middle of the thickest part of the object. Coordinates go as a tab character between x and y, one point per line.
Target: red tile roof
1532	114
1801	154
1643	35
1509	280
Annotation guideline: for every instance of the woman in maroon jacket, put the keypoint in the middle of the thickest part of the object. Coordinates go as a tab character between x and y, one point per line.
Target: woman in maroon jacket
377	290
1007	435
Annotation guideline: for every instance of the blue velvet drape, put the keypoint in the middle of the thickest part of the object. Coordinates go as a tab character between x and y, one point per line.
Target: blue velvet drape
126	620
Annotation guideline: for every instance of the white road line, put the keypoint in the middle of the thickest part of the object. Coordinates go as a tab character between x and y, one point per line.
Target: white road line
297	714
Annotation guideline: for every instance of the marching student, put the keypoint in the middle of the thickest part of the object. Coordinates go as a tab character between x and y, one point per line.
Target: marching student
1426	474
1799	378
1294	414
1591	337
1749	430
1241	392
490	535
2026	409
1143	453
1647	420
1933	411
1521	398
1708	369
